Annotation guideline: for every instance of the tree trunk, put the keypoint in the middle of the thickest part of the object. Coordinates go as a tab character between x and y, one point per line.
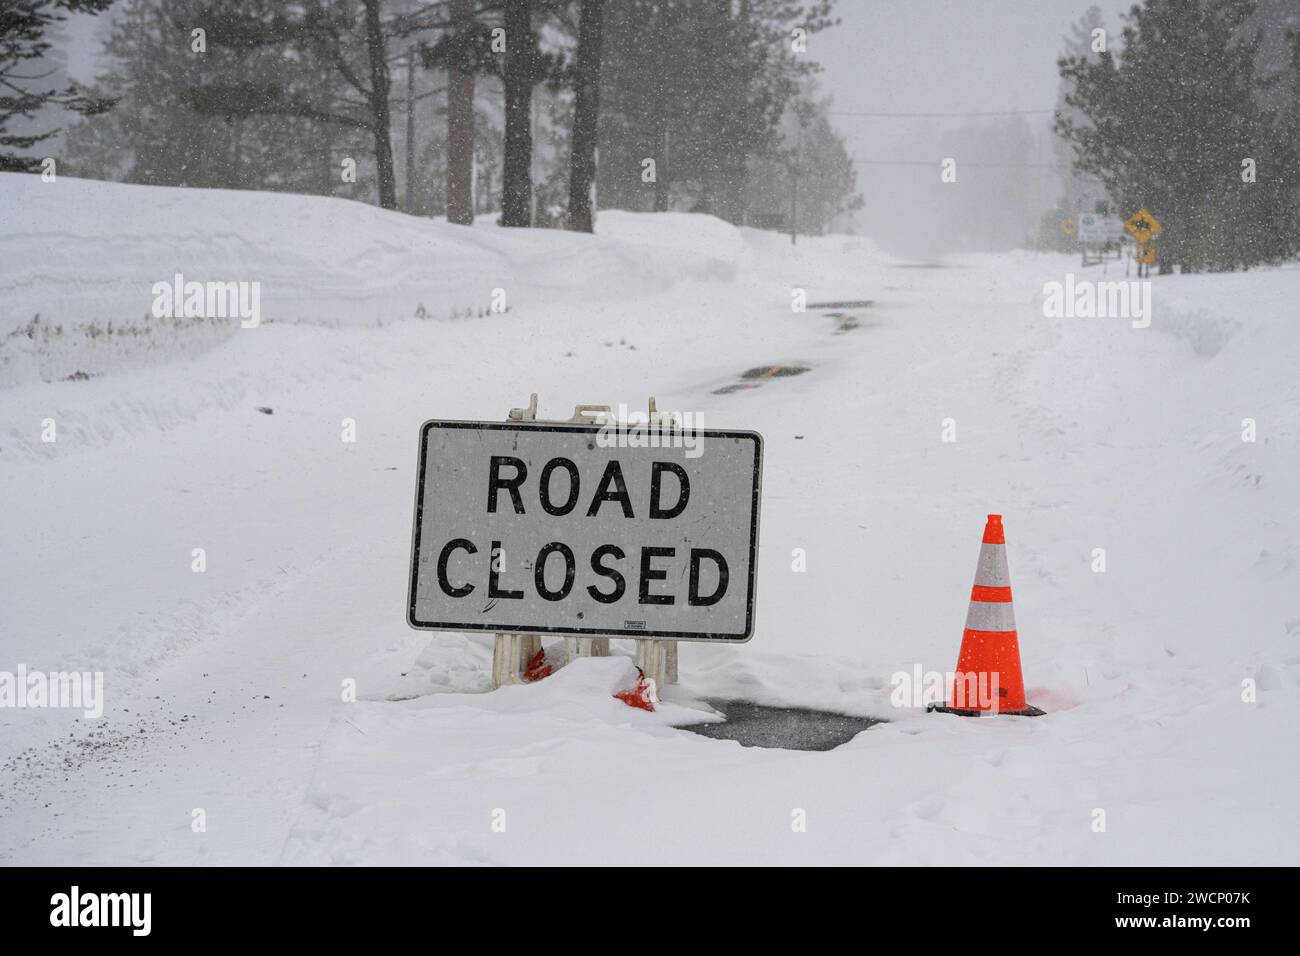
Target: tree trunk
325	143
586	112
460	130
659	36
380	85
410	129
661	165
516	182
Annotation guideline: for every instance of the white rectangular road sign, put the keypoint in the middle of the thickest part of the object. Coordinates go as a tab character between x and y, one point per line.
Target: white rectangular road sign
1098	230
557	529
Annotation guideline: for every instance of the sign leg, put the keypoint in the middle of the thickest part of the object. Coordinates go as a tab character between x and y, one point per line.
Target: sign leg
650	658
505	661
529	646
575	647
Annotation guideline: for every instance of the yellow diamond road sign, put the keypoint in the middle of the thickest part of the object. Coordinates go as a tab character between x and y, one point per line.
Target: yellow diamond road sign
1142	226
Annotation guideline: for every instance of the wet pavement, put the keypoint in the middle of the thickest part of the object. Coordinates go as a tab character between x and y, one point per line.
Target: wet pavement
785	728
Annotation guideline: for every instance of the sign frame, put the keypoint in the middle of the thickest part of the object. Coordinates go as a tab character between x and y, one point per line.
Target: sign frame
641	635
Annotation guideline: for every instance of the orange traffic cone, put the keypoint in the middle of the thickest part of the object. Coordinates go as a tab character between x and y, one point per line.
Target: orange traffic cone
988	679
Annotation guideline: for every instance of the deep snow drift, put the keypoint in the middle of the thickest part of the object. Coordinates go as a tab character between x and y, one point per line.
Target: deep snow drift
224	689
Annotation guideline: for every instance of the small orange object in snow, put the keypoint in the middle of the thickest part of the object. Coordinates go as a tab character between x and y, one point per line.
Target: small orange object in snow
641	695
538	668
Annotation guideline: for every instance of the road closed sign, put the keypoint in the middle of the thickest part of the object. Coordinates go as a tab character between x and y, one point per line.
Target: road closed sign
576	529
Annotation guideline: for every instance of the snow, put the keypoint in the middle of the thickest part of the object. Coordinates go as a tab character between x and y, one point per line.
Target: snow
225	688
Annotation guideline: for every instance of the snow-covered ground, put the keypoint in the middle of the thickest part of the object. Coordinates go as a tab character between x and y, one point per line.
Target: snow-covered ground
224	688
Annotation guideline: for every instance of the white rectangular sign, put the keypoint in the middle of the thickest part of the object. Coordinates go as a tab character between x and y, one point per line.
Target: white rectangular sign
573	529
1098	230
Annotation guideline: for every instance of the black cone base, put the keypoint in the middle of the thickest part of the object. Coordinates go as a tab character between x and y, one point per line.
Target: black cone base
1029	711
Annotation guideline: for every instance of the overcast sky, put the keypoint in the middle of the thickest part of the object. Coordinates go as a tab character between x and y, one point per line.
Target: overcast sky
941	56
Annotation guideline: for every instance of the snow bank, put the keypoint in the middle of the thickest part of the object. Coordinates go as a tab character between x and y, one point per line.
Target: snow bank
79	260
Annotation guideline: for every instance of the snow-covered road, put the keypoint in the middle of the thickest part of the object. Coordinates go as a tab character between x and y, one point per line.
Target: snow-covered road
225	688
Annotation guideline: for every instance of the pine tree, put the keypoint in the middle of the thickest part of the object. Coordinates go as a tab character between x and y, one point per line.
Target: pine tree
156	136
341	50
644	68
24	29
1174	122
700	88
1080	193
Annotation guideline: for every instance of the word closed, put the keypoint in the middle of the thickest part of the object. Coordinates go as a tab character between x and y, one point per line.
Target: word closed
541	528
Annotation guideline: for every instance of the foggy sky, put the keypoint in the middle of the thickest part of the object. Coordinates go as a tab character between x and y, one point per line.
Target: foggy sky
941	56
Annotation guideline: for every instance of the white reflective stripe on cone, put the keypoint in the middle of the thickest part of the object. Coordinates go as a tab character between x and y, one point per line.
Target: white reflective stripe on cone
992	570
990	616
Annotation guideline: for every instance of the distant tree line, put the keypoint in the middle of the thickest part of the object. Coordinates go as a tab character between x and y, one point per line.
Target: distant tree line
1189	120
532	107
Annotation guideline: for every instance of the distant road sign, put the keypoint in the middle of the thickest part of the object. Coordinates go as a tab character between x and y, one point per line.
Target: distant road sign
1146	254
1143	226
1069	227
1098	230
568	529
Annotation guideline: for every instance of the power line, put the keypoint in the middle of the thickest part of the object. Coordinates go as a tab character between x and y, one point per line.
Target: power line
935	162
939	115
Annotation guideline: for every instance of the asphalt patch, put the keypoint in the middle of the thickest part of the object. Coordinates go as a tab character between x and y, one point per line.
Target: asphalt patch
773	371
844	322
754	377
781	728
